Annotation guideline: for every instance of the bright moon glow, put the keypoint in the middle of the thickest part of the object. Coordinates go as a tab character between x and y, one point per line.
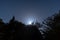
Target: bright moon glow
30	22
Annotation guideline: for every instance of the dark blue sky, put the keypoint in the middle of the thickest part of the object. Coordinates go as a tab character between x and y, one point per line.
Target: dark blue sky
26	10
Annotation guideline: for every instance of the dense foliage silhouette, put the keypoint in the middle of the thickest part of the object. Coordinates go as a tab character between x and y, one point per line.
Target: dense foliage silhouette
15	30
54	23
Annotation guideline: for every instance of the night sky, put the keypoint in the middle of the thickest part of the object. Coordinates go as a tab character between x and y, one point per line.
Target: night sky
28	10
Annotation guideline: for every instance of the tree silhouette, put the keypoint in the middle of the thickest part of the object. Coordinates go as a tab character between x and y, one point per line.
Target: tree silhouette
54	23
15	30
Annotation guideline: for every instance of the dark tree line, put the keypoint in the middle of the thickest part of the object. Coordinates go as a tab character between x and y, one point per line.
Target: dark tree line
54	23
15	30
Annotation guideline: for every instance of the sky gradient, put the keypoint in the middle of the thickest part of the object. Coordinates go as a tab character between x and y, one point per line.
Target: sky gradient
26	10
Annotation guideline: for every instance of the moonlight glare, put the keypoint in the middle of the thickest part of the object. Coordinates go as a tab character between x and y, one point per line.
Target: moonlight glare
30	22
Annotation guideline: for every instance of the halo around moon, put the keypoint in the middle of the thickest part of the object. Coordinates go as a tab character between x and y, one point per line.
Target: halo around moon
30	22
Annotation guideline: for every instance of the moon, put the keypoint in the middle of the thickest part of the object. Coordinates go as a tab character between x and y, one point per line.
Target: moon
30	22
